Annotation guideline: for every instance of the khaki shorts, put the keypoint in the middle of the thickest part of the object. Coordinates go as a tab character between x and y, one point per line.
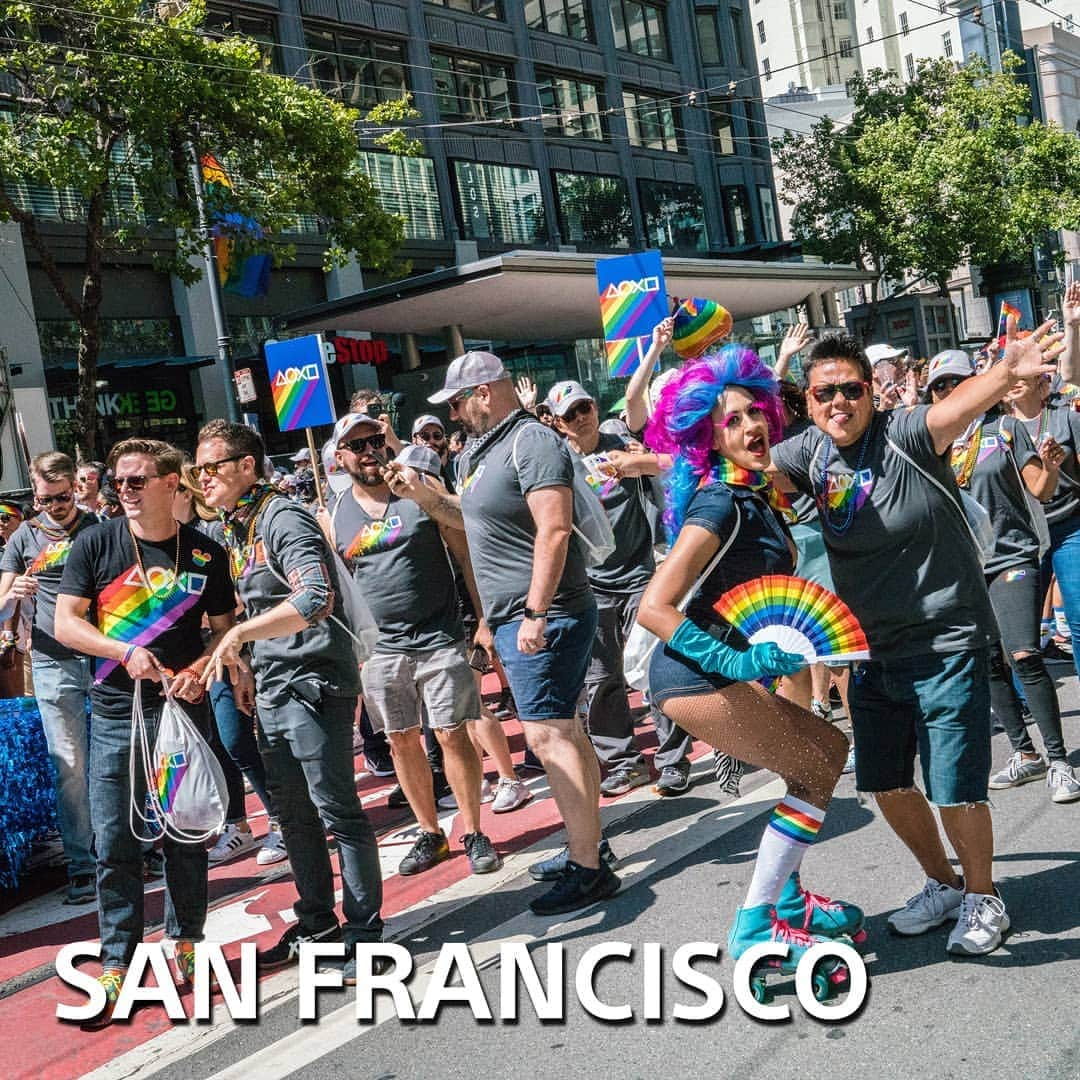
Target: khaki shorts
396	685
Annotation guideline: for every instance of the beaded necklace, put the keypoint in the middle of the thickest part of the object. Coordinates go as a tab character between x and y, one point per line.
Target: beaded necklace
826	458
965	453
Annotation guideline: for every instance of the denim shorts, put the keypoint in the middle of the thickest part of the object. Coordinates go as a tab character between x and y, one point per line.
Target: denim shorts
548	684
673	675
935	704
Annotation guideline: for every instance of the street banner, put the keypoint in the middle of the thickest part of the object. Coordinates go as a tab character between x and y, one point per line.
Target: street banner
298	382
633	299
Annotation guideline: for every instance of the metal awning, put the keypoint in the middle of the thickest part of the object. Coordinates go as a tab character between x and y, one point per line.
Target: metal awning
524	295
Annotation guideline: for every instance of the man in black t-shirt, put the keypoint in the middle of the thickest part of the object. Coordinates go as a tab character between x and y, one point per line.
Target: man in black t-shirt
133	594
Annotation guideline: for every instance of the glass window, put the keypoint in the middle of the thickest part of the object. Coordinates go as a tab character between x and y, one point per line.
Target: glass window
839	9
737	34
768	214
500	202
712	51
468	89
650	122
362	71
567	17
639	28
766	68
674	215
259	28
722	125
845	48
909	65
490	8
594	210
869	33
736	215
946	43
904	28
761	31
570	107
406	186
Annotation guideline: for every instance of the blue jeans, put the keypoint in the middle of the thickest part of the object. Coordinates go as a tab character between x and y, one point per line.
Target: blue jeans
61	688
120	853
1063	561
236	732
307	748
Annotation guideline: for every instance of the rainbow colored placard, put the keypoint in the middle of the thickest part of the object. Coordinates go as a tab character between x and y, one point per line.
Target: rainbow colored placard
798	615
633	299
298	382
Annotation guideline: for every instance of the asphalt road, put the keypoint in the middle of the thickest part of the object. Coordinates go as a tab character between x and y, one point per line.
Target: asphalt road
686	863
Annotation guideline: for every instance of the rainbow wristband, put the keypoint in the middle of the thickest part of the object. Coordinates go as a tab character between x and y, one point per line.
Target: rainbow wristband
128	654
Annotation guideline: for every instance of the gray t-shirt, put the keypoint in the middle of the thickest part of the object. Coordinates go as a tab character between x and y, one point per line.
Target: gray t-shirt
1060	420
905	563
499	526
41	548
290	540
996	485
631	564
401	564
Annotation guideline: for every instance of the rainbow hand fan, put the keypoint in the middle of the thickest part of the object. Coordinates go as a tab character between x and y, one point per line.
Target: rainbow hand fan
800	616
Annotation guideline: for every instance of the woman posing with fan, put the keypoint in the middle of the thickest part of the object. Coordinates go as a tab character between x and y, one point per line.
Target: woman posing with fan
726	526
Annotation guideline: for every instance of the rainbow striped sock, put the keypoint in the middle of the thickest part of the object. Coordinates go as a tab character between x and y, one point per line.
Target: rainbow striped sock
791	830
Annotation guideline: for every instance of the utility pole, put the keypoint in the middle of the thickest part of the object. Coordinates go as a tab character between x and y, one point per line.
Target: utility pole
217	306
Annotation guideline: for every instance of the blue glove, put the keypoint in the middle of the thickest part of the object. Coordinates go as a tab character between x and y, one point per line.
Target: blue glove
757	662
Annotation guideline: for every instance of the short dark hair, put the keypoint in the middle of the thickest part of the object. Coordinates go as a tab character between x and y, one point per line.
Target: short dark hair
239	438
838	347
52	467
167	458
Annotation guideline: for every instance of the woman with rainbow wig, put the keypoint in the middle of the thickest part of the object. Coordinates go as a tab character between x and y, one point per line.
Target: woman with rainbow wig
717	418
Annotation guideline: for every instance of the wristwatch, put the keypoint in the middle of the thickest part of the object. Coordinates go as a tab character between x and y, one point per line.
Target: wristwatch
530	614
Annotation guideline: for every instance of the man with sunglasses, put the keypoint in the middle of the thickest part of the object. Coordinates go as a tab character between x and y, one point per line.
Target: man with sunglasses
903	558
307	684
618	585
515	485
30	572
428	430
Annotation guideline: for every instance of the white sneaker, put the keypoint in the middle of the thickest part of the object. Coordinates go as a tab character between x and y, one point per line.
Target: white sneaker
232	842
273	848
935	905
509	795
487	792
981	923
1062	782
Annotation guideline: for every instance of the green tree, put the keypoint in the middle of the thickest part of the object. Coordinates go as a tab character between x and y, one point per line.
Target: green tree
103	101
927	175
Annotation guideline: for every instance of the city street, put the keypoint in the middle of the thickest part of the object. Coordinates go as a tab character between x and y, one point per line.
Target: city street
685	864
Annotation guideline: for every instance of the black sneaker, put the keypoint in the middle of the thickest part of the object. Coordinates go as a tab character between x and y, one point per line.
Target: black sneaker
577	888
531	763
378	762
674	779
553	868
379	966
287	950
483	858
429	850
81	889
396	799
153	865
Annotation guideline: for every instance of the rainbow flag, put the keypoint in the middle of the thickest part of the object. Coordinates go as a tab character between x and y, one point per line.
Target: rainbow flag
1007	309
168	776
242	277
624	356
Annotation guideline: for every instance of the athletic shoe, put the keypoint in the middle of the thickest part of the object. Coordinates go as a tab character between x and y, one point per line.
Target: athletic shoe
483	858
509	795
576	888
531	763
111	979
849	762
728	772
624	779
1057	652
429	850
378	762
1062	782
980	925
551	869
184	959
505	708
81	889
817	914
444	797
153	865
1018	770
287	949
936	904
674	779
396	799
487	792
379	965
821	709
273	847
232	842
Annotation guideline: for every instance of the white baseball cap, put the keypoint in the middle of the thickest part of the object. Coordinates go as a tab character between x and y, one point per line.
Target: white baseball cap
953	362
301	455
876	353
422	422
348	422
469	370
421	458
563	396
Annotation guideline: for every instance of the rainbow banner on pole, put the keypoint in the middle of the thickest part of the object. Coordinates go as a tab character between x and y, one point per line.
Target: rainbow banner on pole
299	383
1007	309
248	276
633	299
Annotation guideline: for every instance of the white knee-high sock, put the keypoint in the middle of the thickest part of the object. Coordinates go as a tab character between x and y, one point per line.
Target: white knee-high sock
791	830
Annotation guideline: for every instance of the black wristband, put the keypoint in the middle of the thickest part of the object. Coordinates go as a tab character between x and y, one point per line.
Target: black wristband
530	614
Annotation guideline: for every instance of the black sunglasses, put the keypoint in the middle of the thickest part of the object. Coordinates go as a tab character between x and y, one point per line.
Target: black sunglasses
436	435
358	446
136	483
582	408
950	382
824	393
211	468
48	500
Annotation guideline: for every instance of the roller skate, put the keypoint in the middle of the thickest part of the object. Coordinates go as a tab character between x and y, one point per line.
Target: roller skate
819	914
758	924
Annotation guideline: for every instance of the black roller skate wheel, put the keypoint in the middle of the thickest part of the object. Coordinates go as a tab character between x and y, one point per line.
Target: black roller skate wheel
762	992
